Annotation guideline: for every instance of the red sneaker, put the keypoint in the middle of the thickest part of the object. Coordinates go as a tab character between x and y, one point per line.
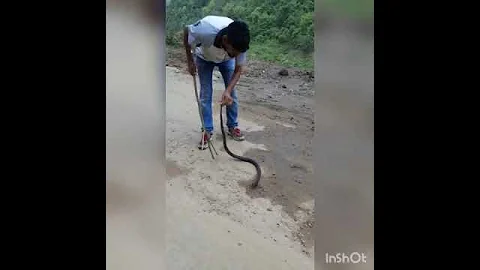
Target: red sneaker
236	134
203	144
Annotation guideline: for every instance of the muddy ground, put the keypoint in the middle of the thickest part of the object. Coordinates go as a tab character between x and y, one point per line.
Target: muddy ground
283	105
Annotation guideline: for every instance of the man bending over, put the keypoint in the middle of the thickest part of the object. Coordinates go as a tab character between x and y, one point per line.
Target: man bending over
217	42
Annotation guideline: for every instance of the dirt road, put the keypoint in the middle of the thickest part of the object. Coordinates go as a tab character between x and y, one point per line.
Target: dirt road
277	117
212	220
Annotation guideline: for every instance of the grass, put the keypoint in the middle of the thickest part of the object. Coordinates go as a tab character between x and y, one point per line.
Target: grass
355	9
273	52
270	51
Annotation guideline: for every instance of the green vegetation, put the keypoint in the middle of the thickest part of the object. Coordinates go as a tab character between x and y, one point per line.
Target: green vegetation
355	9
281	30
270	51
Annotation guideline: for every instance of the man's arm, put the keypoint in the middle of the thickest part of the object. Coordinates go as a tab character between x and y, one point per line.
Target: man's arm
240	62
188	52
236	76
188	48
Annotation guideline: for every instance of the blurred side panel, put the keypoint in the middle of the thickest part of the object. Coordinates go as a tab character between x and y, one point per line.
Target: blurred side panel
135	135
344	136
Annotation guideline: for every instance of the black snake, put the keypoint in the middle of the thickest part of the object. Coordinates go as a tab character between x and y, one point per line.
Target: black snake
245	159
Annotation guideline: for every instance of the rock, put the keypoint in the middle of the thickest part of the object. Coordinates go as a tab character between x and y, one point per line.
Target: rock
284	86
283	72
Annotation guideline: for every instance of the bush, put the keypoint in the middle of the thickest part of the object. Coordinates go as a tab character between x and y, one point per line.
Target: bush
286	25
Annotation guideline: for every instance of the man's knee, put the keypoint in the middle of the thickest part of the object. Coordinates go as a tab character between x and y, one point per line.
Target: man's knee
206	101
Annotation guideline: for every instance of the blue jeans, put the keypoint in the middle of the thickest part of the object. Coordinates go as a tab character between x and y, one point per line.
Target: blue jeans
205	74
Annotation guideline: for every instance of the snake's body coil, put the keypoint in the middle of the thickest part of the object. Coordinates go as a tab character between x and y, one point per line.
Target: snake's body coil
245	159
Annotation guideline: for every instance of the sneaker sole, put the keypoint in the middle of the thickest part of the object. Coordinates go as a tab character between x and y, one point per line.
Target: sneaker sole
236	138
205	146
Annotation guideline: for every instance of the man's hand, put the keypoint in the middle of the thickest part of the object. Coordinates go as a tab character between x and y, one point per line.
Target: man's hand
226	98
192	69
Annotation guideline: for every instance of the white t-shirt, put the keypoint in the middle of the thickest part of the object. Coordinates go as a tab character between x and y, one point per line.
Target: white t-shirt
201	36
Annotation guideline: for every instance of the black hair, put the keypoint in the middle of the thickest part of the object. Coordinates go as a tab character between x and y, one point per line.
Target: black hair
238	36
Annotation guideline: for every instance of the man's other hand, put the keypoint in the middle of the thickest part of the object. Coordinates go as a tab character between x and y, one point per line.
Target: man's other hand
192	69
226	98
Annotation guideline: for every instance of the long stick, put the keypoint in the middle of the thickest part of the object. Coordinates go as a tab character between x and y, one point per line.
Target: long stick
209	143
